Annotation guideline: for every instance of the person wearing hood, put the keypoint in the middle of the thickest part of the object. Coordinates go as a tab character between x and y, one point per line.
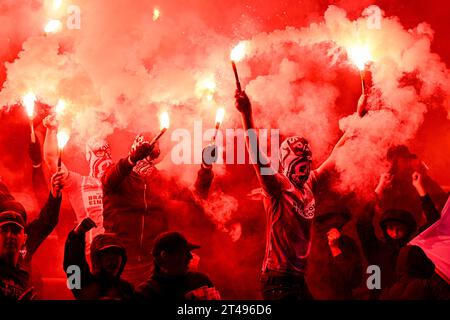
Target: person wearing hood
416	278
398	227
85	193
136	197
20	240
289	203
335	264
108	259
171	279
400	193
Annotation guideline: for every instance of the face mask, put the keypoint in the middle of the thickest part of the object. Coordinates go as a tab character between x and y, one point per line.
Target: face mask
295	159
98	154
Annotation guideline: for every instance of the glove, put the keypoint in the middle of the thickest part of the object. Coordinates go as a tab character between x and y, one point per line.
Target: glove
141	152
85	226
35	153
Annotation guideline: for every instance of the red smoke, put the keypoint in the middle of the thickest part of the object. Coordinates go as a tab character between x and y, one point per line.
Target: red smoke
121	68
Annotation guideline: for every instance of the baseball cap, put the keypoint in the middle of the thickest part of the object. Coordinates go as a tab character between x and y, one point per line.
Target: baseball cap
11	217
171	241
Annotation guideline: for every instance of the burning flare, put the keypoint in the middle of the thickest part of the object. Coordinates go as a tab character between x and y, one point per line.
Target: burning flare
60	107
63	137
359	56
164	121
28	102
156	14
206	87
220	115
57	4
238	52
53	26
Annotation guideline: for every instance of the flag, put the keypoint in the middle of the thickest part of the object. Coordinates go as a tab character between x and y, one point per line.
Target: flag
435	242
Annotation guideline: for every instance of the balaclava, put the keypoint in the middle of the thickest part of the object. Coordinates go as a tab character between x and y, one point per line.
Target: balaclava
294	151
98	154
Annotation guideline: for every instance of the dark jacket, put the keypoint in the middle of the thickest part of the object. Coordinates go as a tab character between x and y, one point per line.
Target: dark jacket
384	253
416	279
135	208
15	281
333	278
95	285
162	287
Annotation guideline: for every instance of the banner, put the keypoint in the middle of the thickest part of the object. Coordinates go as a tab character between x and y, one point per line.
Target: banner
435	242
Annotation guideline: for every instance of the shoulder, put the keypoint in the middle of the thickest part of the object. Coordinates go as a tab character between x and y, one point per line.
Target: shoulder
199	279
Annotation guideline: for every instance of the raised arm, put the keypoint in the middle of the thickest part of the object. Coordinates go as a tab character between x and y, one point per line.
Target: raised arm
40	185
39	229
265	172
116	173
330	163
431	213
364	223
75	252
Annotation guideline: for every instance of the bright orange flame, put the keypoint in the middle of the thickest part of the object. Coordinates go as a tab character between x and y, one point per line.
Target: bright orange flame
63	137
359	56
53	26
156	14
220	115
57	4
206	87
60	106
238	52
164	120
28	102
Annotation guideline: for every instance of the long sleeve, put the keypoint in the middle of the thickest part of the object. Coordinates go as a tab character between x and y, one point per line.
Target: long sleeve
40	186
39	229
348	265
75	255
114	176
203	182
431	213
366	232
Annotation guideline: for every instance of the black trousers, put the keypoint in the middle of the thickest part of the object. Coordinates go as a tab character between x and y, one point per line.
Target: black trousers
284	287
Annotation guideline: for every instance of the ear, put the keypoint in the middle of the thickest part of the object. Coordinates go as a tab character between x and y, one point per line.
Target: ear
25	236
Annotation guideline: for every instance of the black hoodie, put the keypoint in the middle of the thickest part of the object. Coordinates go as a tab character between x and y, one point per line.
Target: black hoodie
384	253
416	279
96	285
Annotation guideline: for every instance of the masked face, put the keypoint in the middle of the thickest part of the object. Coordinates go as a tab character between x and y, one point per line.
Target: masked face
295	158
146	166
98	154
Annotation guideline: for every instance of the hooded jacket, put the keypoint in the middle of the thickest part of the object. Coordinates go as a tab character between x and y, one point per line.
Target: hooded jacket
135	207
384	253
416	279
95	284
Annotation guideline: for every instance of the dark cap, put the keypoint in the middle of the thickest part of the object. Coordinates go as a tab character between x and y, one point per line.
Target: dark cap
11	217
16	206
335	219
171	241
